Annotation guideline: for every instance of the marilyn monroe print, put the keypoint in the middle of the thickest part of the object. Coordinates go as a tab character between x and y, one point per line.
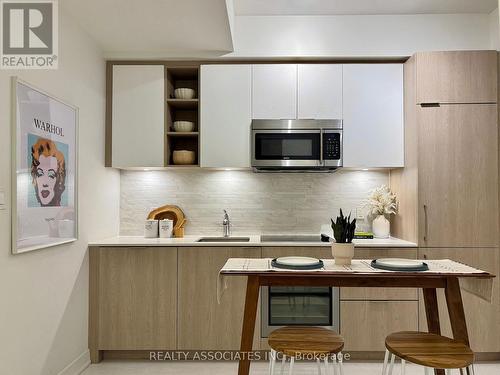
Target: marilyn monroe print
48	172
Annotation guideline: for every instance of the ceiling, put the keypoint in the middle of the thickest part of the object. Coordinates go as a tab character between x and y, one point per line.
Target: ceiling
159	29
333	7
155	28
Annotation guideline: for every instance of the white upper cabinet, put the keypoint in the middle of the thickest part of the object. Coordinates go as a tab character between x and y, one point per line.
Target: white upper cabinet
319	91
138	116
274	91
373	115
226	115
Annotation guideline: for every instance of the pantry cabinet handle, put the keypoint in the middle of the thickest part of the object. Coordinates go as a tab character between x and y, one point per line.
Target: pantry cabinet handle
426	227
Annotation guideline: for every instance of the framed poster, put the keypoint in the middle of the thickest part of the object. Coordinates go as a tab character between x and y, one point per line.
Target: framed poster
44	170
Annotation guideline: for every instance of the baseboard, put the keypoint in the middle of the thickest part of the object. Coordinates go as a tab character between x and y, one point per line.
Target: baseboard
78	365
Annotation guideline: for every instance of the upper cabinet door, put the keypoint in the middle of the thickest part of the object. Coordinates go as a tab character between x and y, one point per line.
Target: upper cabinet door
274	91
320	91
226	115
457	77
138	116
373	116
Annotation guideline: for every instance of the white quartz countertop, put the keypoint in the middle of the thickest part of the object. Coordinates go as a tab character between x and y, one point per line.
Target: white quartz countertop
255	240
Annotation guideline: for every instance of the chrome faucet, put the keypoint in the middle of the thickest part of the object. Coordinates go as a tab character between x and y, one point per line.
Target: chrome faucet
226	225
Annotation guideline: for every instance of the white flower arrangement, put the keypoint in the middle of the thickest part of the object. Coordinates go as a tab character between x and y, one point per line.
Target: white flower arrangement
382	201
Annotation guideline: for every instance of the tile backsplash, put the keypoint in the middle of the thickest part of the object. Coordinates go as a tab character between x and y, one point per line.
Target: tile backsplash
256	202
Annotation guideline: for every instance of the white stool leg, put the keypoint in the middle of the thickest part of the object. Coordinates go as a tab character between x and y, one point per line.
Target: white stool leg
283	363
386	359
447	371
471	369
403	363
327	365
290	371
272	362
391	365
318	361
335	364
341	363
427	371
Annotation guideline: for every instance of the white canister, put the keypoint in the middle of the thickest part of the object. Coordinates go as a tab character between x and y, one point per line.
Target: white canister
151	228
166	228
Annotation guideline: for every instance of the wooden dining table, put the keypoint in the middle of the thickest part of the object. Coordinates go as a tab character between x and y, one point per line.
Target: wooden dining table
428	281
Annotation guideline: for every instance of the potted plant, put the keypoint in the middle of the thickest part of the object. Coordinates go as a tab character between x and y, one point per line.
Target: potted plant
382	203
343	231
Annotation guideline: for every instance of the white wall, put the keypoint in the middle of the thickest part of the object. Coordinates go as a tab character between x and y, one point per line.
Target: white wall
494	30
358	36
43	314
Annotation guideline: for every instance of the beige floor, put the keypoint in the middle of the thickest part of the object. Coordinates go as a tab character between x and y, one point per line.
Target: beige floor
258	368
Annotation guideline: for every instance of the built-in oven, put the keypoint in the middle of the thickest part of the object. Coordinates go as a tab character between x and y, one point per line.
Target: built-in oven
300	306
296	144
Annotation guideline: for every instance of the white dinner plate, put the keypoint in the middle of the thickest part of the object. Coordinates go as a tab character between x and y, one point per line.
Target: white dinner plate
297	261
399	263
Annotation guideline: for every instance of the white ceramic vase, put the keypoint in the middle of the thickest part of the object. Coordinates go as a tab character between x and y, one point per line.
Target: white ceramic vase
381	227
342	253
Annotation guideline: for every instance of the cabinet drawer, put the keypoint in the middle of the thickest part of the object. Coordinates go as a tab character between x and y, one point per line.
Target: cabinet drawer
365	324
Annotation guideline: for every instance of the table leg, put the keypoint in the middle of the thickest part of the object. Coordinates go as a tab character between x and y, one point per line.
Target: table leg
247	332
431	310
432	314
456	310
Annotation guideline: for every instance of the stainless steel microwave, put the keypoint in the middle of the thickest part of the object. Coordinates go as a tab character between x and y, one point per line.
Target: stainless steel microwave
296	145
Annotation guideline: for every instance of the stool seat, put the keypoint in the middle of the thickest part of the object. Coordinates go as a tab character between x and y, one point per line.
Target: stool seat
295	341
430	350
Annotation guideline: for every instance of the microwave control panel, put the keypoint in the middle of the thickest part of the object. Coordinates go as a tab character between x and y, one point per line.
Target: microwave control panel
331	146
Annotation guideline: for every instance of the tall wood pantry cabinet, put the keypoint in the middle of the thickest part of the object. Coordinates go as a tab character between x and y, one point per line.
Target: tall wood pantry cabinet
448	190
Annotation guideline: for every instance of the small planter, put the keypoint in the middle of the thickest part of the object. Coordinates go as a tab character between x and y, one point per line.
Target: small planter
343	253
381	227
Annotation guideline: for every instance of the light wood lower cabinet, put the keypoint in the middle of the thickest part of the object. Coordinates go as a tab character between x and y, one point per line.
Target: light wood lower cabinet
381	293
365	324
203	324
133	298
483	317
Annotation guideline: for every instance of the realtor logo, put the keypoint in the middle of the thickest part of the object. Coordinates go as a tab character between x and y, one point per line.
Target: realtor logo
29	34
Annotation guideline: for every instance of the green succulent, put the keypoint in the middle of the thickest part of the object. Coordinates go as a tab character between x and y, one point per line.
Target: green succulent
343	228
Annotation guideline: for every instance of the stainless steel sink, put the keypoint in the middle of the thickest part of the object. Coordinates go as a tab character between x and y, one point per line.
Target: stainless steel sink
290	238
224	239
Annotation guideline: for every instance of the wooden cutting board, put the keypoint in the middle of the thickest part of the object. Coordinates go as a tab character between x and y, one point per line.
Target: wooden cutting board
169	212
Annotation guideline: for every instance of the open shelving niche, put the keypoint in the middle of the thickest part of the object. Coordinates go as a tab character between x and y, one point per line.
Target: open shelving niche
181	110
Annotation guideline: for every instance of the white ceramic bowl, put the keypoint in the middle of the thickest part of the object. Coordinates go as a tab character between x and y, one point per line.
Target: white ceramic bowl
183	157
184	93
183	126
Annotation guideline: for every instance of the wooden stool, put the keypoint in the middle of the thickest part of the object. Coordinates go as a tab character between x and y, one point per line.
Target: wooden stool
306	343
429	350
